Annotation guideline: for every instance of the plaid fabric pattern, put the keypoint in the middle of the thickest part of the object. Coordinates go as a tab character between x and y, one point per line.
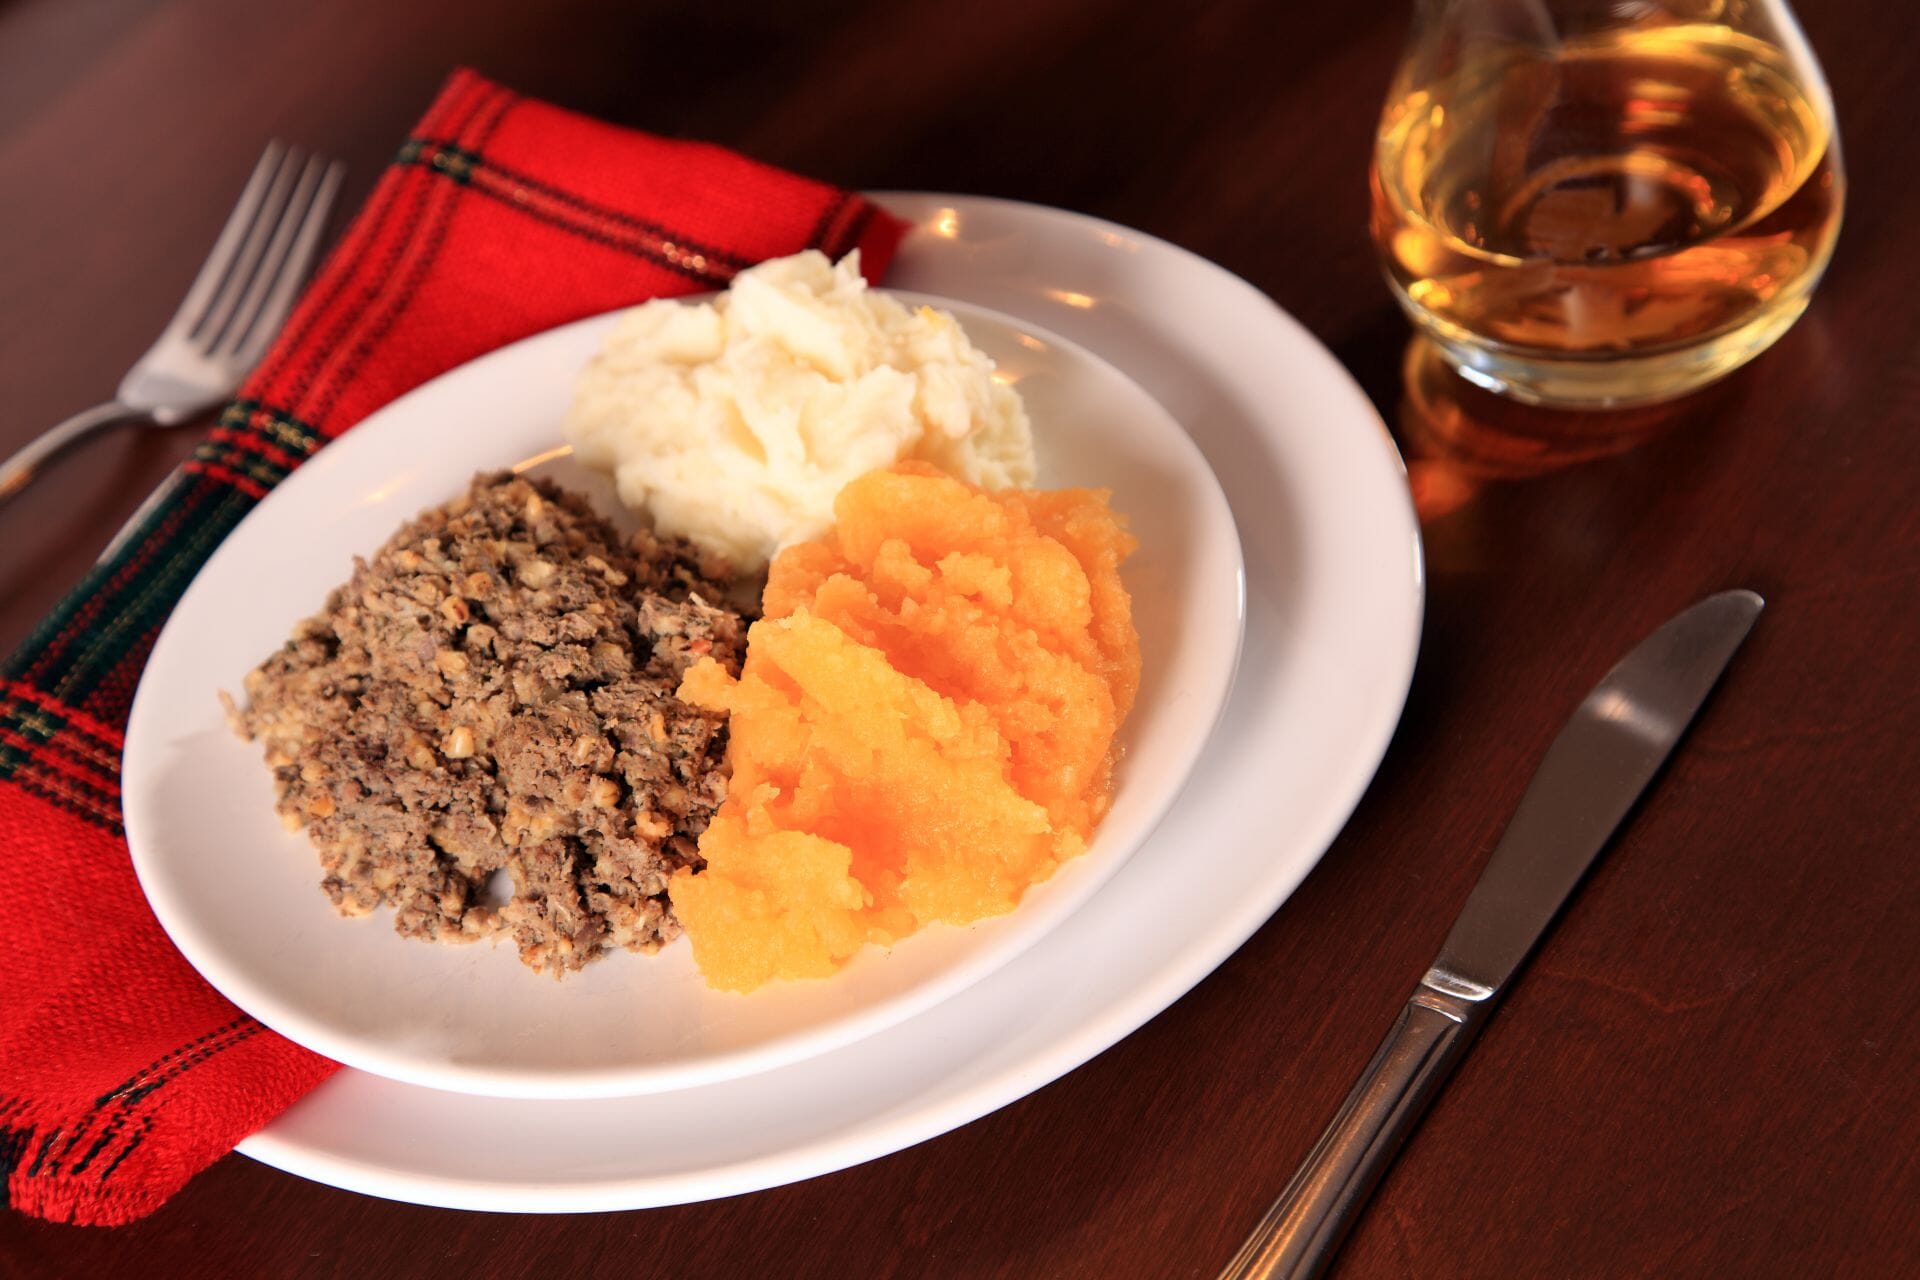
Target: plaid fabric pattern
121	1072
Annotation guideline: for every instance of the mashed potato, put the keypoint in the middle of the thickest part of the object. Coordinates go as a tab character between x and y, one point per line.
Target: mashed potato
735	422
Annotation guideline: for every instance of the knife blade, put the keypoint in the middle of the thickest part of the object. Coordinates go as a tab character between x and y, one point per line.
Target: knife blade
1588	781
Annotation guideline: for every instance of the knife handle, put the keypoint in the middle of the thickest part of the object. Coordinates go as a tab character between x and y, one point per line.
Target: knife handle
1298	1237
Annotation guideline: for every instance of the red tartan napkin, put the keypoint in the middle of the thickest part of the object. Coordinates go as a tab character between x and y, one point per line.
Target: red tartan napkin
122	1074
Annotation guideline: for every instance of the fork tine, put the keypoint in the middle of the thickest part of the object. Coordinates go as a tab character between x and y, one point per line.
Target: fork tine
251	342
207	330
286	225
214	270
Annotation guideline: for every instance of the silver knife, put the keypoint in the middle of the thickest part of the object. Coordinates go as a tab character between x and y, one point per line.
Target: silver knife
1591	776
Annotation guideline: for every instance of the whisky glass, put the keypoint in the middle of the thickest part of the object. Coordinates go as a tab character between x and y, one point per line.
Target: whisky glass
1605	202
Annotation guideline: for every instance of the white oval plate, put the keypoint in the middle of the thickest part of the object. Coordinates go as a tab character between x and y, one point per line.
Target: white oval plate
240	896
1334	592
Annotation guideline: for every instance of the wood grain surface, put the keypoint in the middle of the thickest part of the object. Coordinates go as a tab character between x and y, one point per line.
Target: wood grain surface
1709	1070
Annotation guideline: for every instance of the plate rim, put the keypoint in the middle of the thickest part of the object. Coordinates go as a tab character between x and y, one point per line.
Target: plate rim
942	1111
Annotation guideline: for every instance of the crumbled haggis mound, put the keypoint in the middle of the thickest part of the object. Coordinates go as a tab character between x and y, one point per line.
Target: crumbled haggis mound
495	689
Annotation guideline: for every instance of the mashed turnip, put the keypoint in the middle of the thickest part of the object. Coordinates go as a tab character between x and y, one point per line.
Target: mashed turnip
924	725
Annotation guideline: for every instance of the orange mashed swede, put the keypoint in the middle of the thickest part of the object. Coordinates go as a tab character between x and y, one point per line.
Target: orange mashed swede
923	726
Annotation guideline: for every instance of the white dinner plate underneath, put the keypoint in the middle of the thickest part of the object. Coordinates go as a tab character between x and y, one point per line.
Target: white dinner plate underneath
1334	602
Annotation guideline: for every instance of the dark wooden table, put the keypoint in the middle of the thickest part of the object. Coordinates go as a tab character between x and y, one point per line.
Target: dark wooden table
1713	1067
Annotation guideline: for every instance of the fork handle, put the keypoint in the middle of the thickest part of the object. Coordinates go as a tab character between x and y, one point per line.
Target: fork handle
1304	1228
16	471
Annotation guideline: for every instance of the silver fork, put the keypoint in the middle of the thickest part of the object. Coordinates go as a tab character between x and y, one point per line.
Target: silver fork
231	313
